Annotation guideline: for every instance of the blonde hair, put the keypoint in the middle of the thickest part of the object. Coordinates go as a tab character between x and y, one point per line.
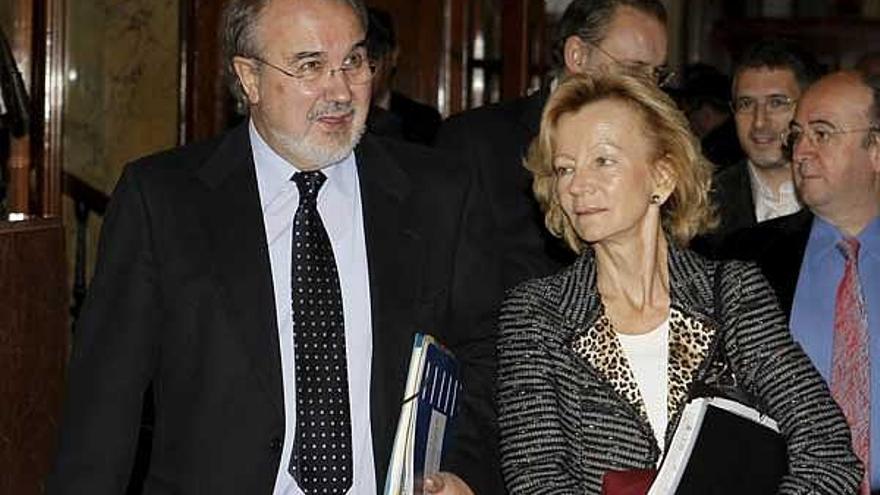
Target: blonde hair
687	212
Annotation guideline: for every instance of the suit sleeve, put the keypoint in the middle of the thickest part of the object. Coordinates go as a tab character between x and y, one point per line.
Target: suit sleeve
774	368
475	297
113	353
534	456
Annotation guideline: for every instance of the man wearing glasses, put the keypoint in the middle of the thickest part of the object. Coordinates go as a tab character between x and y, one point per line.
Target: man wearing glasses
267	285
824	262
767	83
592	35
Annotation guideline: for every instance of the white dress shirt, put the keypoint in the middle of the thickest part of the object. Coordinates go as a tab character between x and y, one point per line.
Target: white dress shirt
339	204
771	204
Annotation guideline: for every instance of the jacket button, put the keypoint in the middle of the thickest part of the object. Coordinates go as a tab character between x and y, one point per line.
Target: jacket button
275	443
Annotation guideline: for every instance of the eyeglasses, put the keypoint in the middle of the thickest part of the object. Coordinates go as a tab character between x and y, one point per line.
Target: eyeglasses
773	105
820	135
661	75
311	71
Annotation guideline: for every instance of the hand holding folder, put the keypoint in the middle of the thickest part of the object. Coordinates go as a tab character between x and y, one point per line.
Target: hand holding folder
426	417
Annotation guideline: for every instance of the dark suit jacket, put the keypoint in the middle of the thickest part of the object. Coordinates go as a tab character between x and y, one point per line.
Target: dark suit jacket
778	247
493	140
721	145
182	299
406	119
732	193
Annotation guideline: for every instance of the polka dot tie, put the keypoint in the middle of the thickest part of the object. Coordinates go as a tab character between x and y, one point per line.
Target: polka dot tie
321	458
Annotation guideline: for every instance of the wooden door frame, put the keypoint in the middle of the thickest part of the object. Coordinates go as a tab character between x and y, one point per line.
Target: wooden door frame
38	43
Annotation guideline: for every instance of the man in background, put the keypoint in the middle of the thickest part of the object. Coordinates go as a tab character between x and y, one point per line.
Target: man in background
392	113
593	35
824	262
767	82
705	99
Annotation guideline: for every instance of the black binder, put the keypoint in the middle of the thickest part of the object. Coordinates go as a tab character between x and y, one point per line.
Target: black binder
723	447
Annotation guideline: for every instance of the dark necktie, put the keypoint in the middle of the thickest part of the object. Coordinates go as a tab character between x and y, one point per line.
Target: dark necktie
850	365
321	458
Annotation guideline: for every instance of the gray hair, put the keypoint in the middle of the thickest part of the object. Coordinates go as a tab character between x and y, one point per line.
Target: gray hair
240	37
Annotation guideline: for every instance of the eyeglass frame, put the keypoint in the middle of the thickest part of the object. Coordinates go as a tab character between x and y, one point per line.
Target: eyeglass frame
661	74
789	105
329	72
795	131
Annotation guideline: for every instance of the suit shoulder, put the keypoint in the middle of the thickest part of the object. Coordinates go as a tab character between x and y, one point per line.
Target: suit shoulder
417	159
771	230
183	157
415	108
431	170
730	178
731	174
493	118
544	289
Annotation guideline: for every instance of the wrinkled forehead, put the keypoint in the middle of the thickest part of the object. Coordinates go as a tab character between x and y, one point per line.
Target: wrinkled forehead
765	80
287	27
636	36
608	120
839	100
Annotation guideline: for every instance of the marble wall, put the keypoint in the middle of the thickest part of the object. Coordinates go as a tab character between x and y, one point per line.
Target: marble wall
122	85
120	98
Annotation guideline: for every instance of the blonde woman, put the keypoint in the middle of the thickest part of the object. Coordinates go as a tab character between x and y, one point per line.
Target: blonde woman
597	361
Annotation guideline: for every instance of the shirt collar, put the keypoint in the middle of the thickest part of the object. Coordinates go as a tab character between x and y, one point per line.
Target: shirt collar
869	239
824	237
760	188
274	172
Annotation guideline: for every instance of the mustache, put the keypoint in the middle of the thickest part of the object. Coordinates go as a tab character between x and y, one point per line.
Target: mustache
334	108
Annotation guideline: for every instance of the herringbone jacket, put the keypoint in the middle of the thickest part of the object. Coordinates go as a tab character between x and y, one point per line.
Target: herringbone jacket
569	407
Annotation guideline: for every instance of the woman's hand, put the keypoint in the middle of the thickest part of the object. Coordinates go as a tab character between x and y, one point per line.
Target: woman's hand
447	484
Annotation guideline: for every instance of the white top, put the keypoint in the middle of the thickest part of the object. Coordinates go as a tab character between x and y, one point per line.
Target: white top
339	204
648	357
771	204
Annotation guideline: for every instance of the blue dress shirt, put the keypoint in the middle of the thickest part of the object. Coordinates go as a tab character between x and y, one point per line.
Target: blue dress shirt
812	313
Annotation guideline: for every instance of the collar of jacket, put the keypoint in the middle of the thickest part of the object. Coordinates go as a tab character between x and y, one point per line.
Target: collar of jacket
690	287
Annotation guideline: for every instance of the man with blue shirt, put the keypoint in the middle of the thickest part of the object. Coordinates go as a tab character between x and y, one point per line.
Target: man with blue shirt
265	286
824	262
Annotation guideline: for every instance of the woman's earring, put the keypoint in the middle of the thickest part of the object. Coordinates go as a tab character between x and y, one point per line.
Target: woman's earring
655	199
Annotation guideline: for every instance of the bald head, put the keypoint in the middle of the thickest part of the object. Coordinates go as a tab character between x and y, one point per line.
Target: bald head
836	151
612	35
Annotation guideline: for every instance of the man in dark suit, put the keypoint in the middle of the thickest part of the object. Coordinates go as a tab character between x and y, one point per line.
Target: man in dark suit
767	83
824	262
267	285
392	113
592	35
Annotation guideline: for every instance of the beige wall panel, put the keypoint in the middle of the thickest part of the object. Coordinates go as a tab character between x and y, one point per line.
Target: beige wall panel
122	87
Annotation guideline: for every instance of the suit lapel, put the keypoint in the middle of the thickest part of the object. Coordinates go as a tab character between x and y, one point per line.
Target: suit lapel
394	255
783	257
233	221
744	201
532	109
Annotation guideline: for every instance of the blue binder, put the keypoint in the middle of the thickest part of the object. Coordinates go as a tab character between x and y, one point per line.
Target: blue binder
426	418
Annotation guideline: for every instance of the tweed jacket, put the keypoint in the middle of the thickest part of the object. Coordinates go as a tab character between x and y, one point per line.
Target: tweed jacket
569	407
